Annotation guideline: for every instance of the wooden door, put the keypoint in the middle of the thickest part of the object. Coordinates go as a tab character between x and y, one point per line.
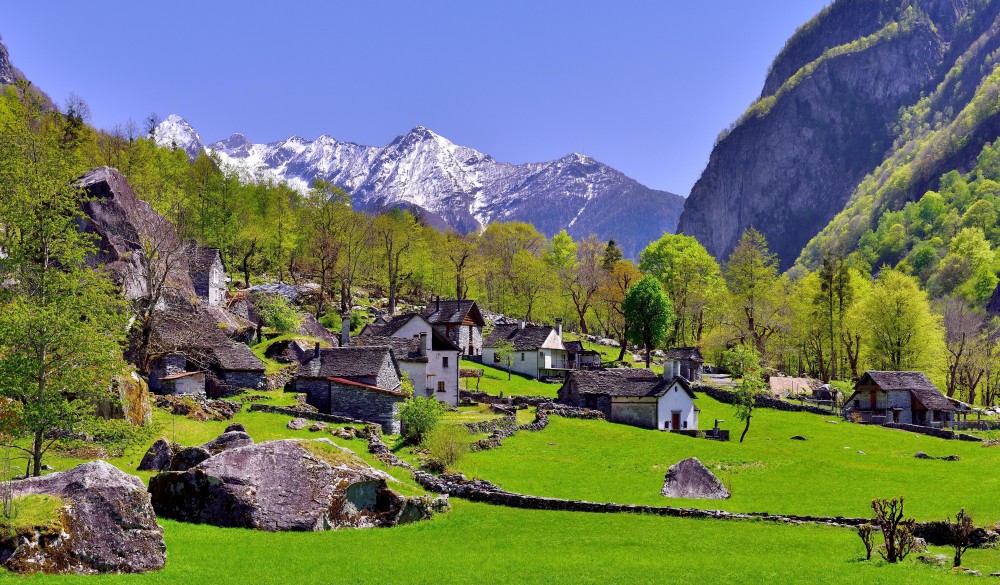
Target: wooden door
675	421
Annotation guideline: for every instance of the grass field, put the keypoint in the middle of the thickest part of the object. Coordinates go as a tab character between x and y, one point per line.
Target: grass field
596	460
494	381
824	474
477	543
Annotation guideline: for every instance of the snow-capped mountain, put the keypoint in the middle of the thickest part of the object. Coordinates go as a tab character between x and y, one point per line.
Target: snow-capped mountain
175	132
455	186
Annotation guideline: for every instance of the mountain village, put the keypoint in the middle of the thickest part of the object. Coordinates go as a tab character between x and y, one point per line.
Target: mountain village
319	361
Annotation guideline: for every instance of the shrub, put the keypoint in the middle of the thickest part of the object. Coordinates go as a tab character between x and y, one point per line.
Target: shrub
419	417
896	530
961	534
406	384
275	311
446	444
867	534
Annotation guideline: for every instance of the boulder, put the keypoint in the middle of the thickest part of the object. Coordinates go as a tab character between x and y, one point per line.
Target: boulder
235	427
282	485
798	438
158	457
227	440
952	458
297	424
188	457
691	479
939	560
922	455
317	426
107	525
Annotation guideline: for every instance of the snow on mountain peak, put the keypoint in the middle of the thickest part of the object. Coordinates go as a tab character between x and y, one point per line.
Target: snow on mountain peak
453	186
175	132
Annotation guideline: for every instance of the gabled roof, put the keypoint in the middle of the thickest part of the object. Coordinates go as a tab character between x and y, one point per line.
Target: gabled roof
685	353
347	382
528	338
405	350
625	382
348	362
577	347
915	382
200	259
198	336
389	327
452	312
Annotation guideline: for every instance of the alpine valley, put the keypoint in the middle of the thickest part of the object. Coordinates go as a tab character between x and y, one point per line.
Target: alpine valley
453	186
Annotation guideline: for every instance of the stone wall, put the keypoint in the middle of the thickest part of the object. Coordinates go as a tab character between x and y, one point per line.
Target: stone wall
728	397
251	380
485	398
306	414
939	433
353	402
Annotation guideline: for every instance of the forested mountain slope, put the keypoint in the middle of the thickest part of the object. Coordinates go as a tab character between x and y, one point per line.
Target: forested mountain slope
852	88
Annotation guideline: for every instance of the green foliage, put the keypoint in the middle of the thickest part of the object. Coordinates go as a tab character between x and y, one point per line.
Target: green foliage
446	444
406	384
419	416
648	314
277	313
749	387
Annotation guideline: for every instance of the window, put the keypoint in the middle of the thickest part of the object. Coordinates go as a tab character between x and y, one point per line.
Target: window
496	358
441	385
522	356
444	362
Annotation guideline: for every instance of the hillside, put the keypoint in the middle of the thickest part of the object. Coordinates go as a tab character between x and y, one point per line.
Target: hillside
852	90
452	185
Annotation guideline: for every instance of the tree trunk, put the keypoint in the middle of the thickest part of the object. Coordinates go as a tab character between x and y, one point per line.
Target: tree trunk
36	454
648	349
745	429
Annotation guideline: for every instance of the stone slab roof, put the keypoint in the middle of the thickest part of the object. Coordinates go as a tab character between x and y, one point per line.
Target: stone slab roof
347	362
529	338
452	312
405	350
624	382
685	353
915	382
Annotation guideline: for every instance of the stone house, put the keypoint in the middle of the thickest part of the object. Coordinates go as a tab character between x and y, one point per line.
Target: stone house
898	397
581	358
459	321
208	273
355	382
687	361
430	358
184	384
538	349
191	341
637	397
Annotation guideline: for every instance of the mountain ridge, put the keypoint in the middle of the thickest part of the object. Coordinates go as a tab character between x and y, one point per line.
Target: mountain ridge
453	186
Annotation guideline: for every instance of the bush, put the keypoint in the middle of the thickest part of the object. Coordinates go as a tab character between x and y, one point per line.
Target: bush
446	444
275	311
419	417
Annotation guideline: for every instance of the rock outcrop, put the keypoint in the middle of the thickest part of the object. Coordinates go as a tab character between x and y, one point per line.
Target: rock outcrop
293	485
164	455
108	525
691	479
830	114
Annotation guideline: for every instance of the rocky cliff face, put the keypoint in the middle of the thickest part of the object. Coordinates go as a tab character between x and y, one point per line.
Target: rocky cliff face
8	74
455	186
829	114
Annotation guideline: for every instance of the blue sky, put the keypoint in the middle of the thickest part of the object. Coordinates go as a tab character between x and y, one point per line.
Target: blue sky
643	86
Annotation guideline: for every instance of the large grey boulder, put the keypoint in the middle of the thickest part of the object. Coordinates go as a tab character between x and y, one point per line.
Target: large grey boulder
164	455
107	525
691	479
158	456
284	485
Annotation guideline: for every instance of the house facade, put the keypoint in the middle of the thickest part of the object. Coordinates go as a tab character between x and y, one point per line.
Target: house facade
686	361
361	383
538	350
184	384
431	359
581	358
898	397
636	397
208	273
459	321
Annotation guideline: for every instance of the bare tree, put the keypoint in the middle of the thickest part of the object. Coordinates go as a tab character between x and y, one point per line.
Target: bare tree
962	332
961	530
896	530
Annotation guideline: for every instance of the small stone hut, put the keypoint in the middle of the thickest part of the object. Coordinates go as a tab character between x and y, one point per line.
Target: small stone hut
898	397
355	382
637	397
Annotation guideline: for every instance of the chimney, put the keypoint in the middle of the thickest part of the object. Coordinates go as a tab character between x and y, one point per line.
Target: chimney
423	344
438	308
345	331
316	352
520	324
559	328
